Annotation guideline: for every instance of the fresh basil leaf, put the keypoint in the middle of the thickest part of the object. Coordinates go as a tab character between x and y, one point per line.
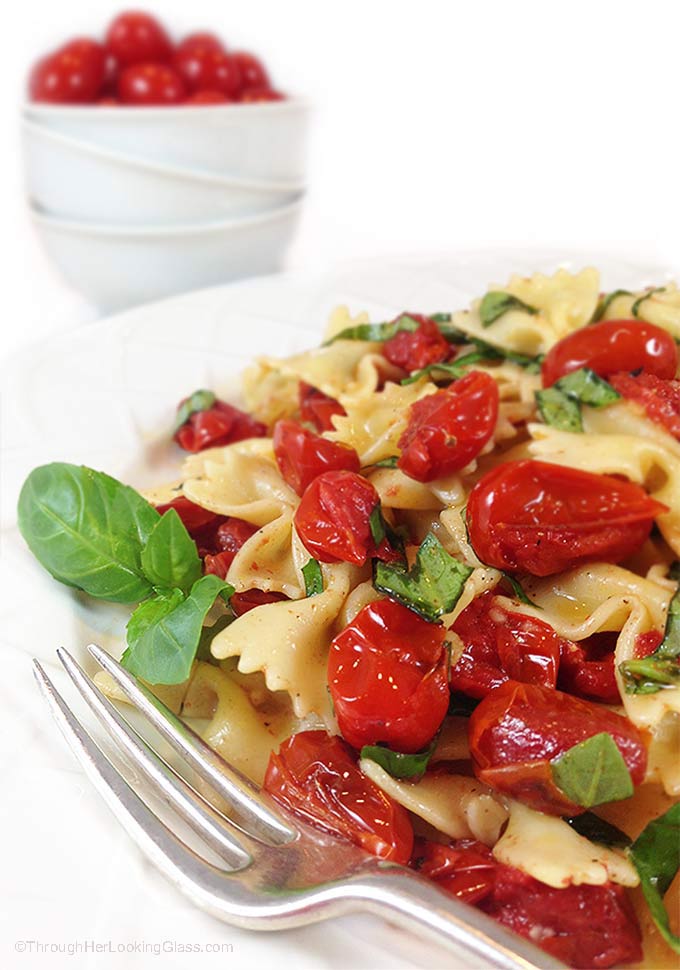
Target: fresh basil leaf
396	763
483	352
593	772
313	577
198	401
377	331
88	530
656	856
208	634
496	303
560	405
433	584
660	669
390	462
382	531
164	633
595	829
170	558
635	309
440	318
605	302
518	591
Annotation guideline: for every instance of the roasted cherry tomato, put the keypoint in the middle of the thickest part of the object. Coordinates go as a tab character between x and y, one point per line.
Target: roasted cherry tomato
220	424
228	538
587	669
387	678
252	71
518	729
257	95
333	519
134	37
464	868
501	645
150	84
412	351
449	428
584	926
204	68
616	345
316	777
74	74
302	455
246	601
541	518
659	398
194	517
646	643
318	408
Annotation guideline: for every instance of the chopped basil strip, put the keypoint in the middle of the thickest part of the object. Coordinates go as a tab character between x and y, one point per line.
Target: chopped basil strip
198	401
431	587
606	301
496	303
380	332
560	405
382	531
595	829
390	462
656	856
517	590
313	578
661	669
593	772
396	763
483	351
635	309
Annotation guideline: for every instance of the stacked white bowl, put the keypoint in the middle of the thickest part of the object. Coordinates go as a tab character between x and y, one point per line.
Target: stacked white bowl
137	203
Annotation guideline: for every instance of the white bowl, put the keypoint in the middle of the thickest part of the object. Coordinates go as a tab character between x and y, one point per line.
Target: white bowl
264	141
75	180
116	267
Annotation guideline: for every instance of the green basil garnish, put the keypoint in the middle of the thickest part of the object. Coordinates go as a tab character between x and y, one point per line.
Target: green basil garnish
431	587
635	309
396	763
656	856
198	401
605	302
517	589
170	558
313	577
380	332
596	829
593	772
382	531
482	352
560	405
390	462
661	669
496	303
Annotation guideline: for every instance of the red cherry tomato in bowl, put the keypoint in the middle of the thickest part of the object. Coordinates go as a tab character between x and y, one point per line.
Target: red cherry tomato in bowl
74	74
387	678
449	428
209	97
413	351
315	776
615	345
302	455
260	95
540	518
518	729
252	71
201	40
135	37
150	84
203	68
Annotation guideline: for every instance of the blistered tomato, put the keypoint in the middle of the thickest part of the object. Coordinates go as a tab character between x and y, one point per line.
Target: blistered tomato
302	455
413	351
659	398
217	425
318	408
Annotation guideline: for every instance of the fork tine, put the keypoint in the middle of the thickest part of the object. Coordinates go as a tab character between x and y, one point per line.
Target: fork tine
259	820
174	790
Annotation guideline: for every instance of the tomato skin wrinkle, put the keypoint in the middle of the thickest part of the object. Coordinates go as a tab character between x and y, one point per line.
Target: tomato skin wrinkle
414	351
611	346
315	776
540	518
387	678
465	868
449	428
518	729
302	456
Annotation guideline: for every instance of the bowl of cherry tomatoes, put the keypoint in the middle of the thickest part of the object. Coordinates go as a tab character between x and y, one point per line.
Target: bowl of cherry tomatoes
136	133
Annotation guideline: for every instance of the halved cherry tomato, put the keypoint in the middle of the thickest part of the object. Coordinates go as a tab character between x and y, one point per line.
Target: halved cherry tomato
464	868
316	777
387	678
302	455
150	84
134	37
204	67
659	398
587	669
541	518
74	74
501	645
518	729
449	428
615	345
318	408
231	534
412	351
584	926
252	70
221	424
250	598
333	519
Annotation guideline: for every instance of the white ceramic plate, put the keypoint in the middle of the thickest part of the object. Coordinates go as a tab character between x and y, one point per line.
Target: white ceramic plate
105	396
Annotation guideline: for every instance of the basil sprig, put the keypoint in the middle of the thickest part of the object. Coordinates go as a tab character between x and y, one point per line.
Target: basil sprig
596	829
431	587
313	577
96	534
380	332
656	856
483	352
560	405
398	764
593	772
198	401
635	309
661	669
605	302
496	303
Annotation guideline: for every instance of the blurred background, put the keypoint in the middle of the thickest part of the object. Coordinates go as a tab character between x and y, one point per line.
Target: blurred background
438	125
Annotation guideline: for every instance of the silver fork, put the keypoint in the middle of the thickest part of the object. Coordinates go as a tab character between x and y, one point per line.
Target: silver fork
276	872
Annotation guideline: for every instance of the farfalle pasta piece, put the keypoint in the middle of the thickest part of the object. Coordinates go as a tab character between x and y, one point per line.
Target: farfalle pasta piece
658	305
266	561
